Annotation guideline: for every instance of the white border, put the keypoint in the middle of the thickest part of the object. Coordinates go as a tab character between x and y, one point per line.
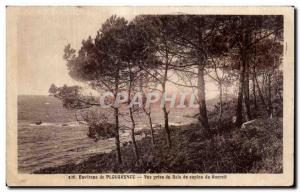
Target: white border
4	3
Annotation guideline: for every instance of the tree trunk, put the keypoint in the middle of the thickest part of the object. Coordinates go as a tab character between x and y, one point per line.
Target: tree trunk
167	129
117	139
134	145
148	113
264	86
226	93
243	87
239	107
246	91
260	92
164	107
221	105
270	107
135	149
254	91
203	120
151	128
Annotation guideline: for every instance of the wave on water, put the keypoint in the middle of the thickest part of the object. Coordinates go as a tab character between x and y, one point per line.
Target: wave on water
41	124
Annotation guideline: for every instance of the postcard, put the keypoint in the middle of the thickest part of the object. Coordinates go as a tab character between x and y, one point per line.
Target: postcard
150	96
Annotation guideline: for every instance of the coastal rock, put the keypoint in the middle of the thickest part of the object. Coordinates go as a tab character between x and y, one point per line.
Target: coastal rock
38	122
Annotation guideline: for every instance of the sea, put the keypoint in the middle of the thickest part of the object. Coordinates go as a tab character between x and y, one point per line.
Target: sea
59	139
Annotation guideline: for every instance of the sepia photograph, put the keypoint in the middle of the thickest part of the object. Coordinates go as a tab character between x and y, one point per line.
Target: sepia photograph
148	96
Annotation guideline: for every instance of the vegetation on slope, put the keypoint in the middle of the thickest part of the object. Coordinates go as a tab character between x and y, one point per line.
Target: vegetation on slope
255	148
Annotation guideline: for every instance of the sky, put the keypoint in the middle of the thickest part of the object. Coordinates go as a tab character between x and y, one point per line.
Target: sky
42	34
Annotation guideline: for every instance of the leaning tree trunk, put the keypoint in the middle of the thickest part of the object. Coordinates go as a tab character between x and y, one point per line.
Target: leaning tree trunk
164	107
135	149
134	145
167	128
148	113
151	127
117	138
166	118
203	120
